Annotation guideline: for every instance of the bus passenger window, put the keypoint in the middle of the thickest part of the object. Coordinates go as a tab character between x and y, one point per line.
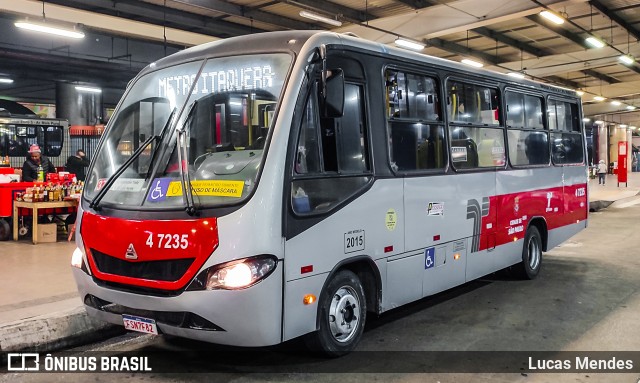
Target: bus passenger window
566	135
416	132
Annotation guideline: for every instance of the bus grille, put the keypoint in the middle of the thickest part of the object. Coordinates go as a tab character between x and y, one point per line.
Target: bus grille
166	270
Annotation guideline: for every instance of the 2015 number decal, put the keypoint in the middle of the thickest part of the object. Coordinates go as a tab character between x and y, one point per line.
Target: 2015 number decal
354	241
169	241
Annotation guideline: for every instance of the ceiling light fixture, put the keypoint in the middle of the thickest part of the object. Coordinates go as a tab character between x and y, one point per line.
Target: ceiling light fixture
631	107
472	63
410	44
594	42
623	126
552	17
5	80
88	89
317	17
626	59
49	28
632	127
599	98
586	119
599	122
616	103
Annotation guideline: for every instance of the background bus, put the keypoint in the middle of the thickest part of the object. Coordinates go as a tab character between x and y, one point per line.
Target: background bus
385	176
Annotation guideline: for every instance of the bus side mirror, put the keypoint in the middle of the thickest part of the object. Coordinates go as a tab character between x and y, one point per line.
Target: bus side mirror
333	97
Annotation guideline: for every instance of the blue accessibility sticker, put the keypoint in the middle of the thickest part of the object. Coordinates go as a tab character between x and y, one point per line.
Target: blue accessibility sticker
158	192
429	258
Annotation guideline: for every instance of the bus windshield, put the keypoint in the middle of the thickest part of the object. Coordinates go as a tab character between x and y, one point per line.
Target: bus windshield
225	114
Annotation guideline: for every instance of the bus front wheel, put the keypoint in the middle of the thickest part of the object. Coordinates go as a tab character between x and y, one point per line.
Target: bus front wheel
531	254
342	313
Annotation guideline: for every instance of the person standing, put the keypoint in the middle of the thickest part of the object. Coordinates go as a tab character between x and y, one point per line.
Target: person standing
77	163
36	166
602	172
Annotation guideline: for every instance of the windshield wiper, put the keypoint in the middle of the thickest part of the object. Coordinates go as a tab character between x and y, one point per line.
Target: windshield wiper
96	200
184	176
160	140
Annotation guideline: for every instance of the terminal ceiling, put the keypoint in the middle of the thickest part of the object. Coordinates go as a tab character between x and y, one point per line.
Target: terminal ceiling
122	36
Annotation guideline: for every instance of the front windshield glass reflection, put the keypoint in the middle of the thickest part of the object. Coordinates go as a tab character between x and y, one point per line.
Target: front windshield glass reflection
226	120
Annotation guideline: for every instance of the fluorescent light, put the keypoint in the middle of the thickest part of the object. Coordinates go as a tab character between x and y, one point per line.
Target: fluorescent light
416	46
623	126
586	119
580	93
632	127
53	30
626	59
596	43
552	17
616	103
472	63
599	122
631	107
599	98
516	74
6	81
317	17
88	89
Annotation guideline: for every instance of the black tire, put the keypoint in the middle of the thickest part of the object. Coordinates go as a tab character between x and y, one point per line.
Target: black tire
531	255
5	230
342	314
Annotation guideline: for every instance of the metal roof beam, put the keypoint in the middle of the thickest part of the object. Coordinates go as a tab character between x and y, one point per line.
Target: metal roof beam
558	30
462	50
158	15
250	13
417	4
489	33
617	19
600	76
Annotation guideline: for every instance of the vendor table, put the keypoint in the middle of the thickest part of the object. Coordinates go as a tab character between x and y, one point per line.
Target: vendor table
34	206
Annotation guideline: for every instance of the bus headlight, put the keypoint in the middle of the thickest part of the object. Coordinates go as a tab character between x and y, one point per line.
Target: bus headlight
236	274
76	258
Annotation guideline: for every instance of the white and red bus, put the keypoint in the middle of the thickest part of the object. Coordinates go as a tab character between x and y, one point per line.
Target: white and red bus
262	188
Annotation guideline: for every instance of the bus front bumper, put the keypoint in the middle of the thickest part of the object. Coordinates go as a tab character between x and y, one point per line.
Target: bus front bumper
248	317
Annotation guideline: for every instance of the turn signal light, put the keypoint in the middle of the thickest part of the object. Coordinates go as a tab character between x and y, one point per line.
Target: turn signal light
309	299
456	256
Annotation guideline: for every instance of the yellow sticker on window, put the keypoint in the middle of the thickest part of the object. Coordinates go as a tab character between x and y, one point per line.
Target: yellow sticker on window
218	188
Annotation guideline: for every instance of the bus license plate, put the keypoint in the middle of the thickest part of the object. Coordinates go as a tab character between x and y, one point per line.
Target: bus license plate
145	325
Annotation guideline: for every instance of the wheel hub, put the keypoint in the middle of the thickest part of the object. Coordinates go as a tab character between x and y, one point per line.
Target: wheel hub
344	314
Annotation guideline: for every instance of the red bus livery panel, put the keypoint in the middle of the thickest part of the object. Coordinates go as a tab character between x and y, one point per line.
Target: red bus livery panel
147	241
560	206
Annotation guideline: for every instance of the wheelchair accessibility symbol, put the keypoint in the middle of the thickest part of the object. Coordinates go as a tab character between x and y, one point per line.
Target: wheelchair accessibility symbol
429	258
158	191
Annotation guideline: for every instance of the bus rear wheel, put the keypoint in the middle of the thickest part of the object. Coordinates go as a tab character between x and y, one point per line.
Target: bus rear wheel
342	311
531	254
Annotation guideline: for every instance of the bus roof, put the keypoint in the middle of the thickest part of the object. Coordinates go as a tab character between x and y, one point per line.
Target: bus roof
295	41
